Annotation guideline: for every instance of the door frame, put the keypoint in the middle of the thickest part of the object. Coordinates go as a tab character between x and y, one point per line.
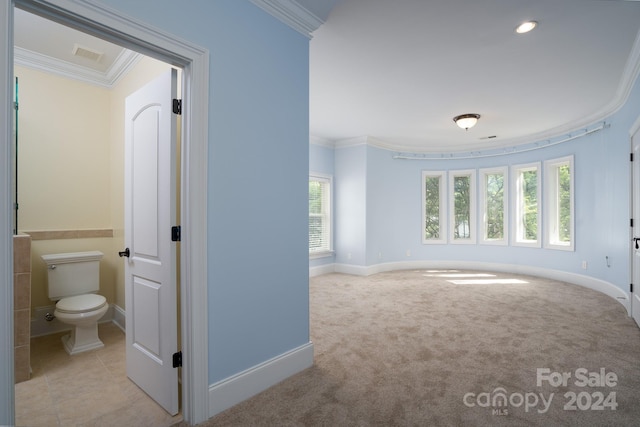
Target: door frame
120	29
632	131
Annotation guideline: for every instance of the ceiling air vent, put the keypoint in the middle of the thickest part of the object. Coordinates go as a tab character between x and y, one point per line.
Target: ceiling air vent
85	52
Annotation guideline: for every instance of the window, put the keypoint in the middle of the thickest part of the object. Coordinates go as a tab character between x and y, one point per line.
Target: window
462	206
433	207
526	205
319	215
558	212
493	200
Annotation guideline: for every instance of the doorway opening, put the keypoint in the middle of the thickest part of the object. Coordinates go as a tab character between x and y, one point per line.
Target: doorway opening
72	193
110	25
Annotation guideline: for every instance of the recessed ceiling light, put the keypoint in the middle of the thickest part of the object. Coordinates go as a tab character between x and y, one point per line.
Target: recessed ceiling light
525	27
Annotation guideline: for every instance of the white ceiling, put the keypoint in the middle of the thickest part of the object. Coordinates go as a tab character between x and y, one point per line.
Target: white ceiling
49	46
398	71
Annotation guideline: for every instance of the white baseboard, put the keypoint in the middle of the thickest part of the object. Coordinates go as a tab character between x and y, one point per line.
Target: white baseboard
40	326
599	285
120	317
321	269
233	390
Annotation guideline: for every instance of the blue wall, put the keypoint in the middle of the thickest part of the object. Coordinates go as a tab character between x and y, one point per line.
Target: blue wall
258	170
381	220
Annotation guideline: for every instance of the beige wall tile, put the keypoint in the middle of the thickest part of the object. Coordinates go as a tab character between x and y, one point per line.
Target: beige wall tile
21	291
21	254
22	327
22	365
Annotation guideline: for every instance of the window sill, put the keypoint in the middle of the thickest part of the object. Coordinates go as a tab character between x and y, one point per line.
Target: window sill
560	247
320	254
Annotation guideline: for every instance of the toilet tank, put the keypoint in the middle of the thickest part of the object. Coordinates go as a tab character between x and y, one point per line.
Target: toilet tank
73	273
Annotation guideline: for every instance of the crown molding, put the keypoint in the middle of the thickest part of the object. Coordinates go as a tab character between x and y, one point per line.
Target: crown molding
352	142
629	75
364	140
125	61
323	142
292	14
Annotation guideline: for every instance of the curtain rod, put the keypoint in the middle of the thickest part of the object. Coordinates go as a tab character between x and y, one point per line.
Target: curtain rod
515	150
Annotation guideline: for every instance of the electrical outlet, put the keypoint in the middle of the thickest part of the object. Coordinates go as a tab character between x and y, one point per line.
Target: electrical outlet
584	265
408	252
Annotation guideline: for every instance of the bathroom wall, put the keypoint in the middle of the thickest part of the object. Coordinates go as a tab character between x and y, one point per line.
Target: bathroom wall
64	153
71	171
64	172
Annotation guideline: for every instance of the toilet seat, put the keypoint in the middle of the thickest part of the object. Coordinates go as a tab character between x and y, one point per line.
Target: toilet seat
81	303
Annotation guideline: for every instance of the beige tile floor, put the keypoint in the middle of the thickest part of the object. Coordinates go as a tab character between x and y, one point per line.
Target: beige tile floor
87	389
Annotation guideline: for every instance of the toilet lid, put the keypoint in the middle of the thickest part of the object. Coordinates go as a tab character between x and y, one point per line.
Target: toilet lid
81	303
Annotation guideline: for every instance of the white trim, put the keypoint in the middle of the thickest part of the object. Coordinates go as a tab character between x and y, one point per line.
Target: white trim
550	207
352	142
193	258
636	125
369	141
482	228
627	80
322	142
292	14
328	214
442	206
119	317
473	224
359	270
46	64
322	269
632	201
237	388
321	254
112	25
516	208
593	283
7	378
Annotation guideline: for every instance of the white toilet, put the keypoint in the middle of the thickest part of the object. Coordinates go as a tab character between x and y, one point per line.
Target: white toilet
73	279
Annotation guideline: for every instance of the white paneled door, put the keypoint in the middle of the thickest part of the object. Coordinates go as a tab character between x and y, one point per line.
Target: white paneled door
150	254
635	200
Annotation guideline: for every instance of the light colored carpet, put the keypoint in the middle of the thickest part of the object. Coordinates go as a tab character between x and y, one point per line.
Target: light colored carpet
412	348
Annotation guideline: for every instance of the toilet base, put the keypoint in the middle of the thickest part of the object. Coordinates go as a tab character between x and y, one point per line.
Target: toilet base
82	339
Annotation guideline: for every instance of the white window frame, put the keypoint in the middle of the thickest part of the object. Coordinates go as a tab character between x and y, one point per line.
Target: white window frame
504	171
442	175
471	173
327	214
517	204
551	209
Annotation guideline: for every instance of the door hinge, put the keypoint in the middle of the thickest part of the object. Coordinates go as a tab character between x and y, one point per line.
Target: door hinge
631	287
177	359
631	157
631	222
177	106
175	233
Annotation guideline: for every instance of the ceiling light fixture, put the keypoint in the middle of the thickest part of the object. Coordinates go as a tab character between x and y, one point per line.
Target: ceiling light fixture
526	26
466	121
